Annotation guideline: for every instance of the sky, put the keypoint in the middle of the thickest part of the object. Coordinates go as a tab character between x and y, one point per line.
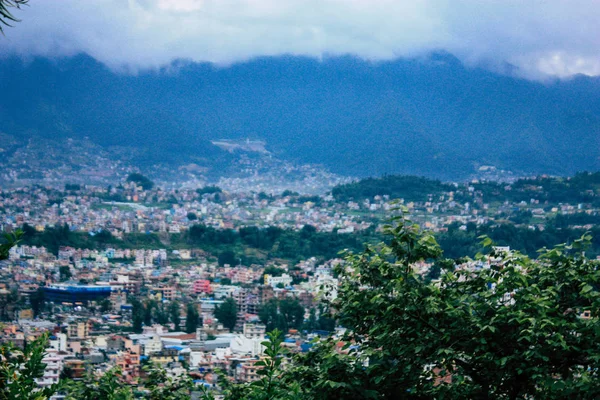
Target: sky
551	38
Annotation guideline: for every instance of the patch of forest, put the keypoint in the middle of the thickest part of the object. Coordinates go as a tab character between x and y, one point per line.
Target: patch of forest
257	245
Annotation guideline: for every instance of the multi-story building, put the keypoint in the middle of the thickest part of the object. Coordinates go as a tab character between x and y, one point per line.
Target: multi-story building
75	367
76	293
169	293
201	286
78	330
52	371
152	345
275	281
249	371
254	331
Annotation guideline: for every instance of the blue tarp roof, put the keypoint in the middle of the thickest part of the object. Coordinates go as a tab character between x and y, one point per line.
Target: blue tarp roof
306	346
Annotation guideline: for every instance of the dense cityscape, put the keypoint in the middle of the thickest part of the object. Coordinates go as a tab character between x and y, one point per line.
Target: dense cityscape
192	279
299	200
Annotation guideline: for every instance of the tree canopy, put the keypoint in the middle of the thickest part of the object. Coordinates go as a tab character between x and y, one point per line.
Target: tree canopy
283	314
508	327
9	241
140	180
410	188
226	313
192	319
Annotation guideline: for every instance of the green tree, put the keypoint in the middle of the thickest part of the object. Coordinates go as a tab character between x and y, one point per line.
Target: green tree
284	314
192	216
140	180
520	329
10	239
37	301
192	320
292	313
225	281
161	315
227	257
311	322
137	315
149	307
105	305
226	313
271	385
164	387
6	16
64	273
175	314
108	386
269	314
325	373
326	322
19	370
208	190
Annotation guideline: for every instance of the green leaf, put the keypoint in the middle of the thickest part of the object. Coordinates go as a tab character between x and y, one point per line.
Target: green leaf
586	289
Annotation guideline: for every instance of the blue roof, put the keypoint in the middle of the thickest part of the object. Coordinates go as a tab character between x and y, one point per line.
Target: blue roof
306	346
178	348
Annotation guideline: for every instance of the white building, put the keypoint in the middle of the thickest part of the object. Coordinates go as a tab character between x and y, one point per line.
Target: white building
59	342
152	345
275	281
52	371
243	345
254	331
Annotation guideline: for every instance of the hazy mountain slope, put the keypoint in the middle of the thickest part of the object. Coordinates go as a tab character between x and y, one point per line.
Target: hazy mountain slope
432	117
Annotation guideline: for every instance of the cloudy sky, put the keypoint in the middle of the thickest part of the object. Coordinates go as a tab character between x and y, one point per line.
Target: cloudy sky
551	37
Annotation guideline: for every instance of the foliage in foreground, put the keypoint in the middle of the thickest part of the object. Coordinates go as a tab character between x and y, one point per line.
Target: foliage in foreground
272	384
9	241
520	329
6	16
516	329
20	368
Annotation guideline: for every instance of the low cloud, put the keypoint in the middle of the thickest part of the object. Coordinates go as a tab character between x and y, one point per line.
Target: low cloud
542	38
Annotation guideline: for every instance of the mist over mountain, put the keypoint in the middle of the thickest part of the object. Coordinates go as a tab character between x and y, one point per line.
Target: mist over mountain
429	116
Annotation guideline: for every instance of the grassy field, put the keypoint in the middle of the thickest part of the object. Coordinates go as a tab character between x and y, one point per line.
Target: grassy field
109	207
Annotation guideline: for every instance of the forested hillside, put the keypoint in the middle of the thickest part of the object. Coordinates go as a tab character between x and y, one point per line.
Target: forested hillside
430	116
583	187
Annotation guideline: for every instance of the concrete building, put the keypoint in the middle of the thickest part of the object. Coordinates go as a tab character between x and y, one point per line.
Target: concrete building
52	371
78	330
275	281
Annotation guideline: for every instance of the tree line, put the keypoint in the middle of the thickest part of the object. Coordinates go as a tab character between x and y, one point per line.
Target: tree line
230	245
583	187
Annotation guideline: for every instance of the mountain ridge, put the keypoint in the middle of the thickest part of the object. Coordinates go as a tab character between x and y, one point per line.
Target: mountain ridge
430	116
